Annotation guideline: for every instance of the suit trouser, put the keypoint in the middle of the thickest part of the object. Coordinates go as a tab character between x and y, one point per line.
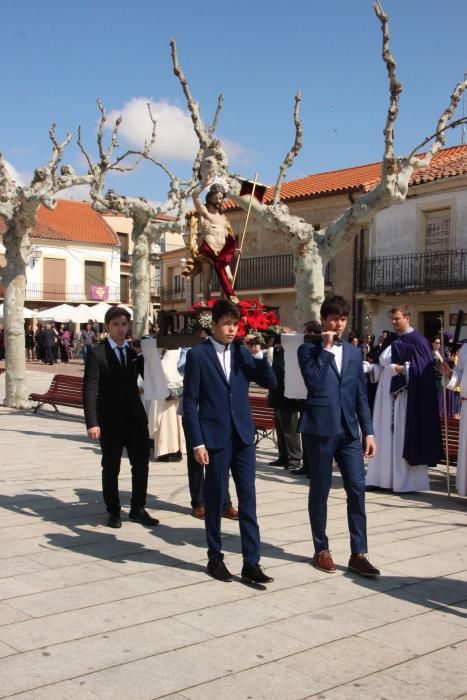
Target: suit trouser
288	440
241	460
49	354
349	456
196	475
134	436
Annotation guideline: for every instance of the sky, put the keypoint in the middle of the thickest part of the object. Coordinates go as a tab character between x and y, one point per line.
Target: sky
59	56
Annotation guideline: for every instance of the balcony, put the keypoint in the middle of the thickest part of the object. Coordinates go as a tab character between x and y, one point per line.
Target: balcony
265	272
414	272
170	294
65	293
125	257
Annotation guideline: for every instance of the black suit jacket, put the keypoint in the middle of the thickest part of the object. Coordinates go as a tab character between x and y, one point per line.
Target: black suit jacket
110	392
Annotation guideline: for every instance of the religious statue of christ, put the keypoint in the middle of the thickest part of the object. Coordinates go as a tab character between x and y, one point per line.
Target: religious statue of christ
212	242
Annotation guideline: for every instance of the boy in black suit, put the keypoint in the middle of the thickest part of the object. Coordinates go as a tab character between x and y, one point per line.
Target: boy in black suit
116	417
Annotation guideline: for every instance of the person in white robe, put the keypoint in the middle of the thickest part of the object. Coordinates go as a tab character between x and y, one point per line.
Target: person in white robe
388	469
458	378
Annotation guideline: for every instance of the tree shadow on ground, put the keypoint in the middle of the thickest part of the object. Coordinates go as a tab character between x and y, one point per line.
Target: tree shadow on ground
429	499
57	436
46	413
435	593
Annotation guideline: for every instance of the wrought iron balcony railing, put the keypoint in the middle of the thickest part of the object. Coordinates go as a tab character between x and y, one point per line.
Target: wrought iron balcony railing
265	272
412	272
176	293
49	291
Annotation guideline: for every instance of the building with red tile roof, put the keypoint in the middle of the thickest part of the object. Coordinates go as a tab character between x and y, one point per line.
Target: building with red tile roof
71	221
434	214
448	162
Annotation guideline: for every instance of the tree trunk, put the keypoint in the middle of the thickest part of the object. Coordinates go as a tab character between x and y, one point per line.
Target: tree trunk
309	268
140	279
17	245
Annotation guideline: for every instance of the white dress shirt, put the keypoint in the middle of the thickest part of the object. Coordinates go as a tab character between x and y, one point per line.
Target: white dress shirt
336	350
223	355
115	347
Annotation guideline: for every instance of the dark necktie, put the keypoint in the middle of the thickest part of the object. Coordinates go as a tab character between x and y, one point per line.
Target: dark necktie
226	347
122	356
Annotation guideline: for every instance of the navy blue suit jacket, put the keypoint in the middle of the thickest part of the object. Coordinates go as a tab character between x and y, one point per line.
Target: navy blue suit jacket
213	407
332	395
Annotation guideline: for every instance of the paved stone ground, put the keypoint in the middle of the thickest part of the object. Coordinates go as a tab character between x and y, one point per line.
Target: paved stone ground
87	612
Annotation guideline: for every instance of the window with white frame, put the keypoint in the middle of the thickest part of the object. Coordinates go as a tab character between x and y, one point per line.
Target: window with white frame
437	230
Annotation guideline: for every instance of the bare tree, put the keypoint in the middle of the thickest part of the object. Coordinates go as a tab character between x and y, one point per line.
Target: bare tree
147	226
18	207
312	250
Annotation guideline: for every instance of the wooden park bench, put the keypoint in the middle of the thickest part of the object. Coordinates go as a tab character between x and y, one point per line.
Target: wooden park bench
453	440
263	418
64	390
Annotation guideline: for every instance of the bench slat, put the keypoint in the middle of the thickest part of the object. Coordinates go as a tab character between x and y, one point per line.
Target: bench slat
64	390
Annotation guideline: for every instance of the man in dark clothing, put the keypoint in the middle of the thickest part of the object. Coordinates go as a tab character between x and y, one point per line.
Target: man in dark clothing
116	417
286	410
48	343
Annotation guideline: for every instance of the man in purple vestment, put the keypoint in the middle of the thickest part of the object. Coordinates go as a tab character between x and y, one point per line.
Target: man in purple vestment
406	418
423	443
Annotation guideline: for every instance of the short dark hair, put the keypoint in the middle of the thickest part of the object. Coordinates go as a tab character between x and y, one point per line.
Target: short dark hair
312	327
115	311
403	308
334	305
224	307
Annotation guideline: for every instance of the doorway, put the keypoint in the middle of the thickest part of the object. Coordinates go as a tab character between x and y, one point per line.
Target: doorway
431	323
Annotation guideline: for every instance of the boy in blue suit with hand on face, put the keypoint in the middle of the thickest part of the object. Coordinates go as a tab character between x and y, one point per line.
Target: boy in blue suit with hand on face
336	407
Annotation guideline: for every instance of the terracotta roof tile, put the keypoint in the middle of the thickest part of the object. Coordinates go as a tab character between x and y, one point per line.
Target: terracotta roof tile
160	217
71	221
448	162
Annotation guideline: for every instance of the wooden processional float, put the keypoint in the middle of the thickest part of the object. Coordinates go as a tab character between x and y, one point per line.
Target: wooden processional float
182	328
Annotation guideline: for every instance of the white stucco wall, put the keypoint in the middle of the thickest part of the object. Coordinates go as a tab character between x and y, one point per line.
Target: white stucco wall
400	229
75	256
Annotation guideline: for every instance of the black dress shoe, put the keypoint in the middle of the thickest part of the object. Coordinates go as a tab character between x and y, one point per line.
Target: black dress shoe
300	471
140	515
360	564
114	520
279	463
255	574
217	569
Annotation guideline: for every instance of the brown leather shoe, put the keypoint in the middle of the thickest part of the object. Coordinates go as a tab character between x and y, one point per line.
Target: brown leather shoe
230	512
198	512
323	561
360	564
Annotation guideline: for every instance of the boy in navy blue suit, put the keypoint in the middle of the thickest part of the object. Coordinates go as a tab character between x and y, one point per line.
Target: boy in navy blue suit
218	419
336	407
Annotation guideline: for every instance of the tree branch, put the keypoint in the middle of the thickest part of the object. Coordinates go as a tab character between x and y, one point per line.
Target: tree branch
440	133
395	89
292	154
141	154
83	150
58	148
7	191
193	106
213	127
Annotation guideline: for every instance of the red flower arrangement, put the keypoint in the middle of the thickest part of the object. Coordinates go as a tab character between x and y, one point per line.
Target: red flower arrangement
255	318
